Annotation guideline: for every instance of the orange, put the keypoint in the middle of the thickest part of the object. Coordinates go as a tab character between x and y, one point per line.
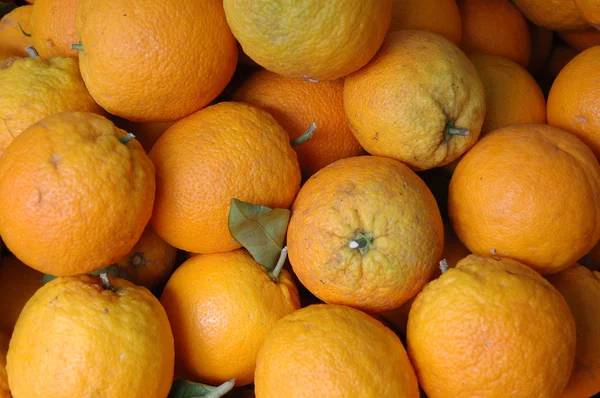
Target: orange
151	261
528	192
224	151
560	56
438	16
295	105
512	96
310	40
541	46
18	283
552	14
365	232
495	27
4	390
154	60
581	39
83	337
5	55
335	351
146	133
73	197
33	88
590	11
53	27
419	100
491	327
574	101
11	37
581	289
221	306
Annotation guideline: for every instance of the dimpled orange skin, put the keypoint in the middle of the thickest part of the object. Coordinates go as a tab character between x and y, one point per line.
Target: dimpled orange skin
95	342
590	10
221	306
53	28
33	88
4	390
154	60
552	14
581	39
333	350
311	39
581	289
11	37
295	105
224	151
73	198
439	16
574	99
399	105
381	199
18	283
528	192
491	327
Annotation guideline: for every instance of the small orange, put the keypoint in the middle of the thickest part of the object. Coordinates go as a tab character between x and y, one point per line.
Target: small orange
12	37
559	57
295	104
438	16
89	336
53	27
146	133
74	197
512	96
365	232
529	192
4	390
18	283
590	11
581	289
151	261
221	306
495	27
335	351
552	14
419	100
491	327
581	39
224	151
310	40
574	100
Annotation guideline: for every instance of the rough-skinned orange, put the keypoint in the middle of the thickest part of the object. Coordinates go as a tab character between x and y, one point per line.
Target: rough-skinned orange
438	16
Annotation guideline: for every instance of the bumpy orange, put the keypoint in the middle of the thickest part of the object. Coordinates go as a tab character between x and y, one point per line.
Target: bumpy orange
224	151
552	14
73	197
312	39
574	100
53	27
155	60
365	232
221	306
336	351
419	100
528	192
99	339
491	327
11	37
295	105
438	16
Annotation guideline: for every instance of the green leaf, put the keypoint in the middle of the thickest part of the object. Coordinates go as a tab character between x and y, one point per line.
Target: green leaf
112	270
47	278
186	389
260	229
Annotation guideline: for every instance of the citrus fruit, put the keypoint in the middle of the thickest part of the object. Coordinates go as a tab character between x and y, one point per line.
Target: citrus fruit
224	151
4	390
221	305
528	192
101	337
12	26
495	27
154	60
146	133
310	40
590	11
419	100
334	349
491	327
365	232
438	16
18	283
53	27
74	197
581	39
552	14
574	101
581	289
295	104
33	88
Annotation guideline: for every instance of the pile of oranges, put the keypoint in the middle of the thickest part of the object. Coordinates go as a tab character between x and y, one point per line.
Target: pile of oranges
374	198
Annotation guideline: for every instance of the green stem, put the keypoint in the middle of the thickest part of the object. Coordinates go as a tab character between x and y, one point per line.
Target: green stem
77	46
307	135
221	390
106	285
451	130
443	265
361	242
126	138
23	31
32	52
274	275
